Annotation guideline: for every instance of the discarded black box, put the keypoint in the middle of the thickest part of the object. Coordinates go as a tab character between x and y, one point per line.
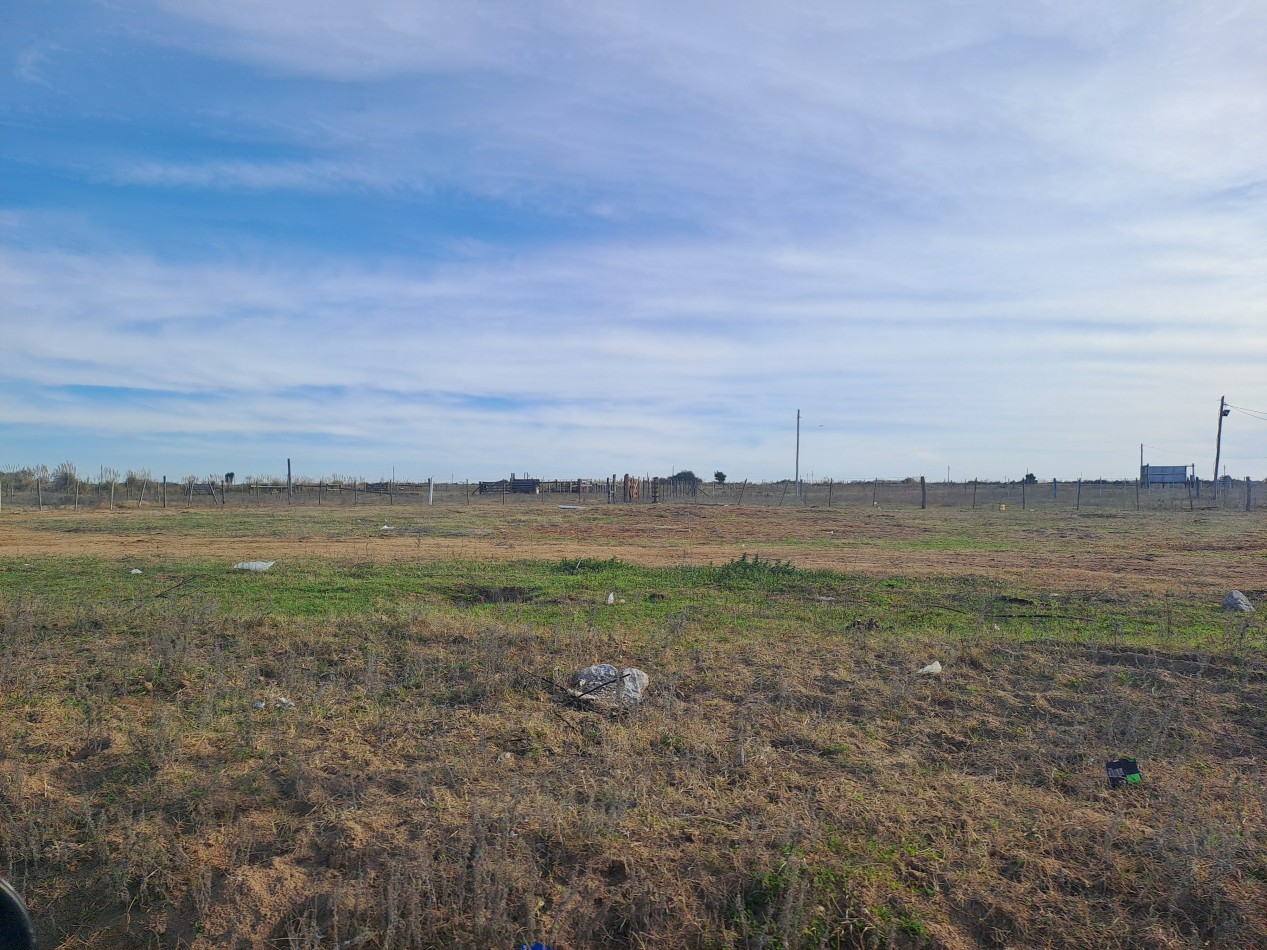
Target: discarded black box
1123	772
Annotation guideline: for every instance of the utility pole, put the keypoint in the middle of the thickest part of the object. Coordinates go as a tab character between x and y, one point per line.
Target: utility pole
798	453
1218	446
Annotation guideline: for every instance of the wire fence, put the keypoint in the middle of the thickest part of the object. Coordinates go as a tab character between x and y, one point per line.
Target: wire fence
19	494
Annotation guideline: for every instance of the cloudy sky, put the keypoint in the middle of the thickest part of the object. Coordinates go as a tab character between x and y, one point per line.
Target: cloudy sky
565	238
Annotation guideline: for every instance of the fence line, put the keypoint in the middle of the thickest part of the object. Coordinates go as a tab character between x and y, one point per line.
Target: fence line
17	495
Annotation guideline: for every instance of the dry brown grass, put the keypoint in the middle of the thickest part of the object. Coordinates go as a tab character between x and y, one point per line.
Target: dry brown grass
430	788
1151	552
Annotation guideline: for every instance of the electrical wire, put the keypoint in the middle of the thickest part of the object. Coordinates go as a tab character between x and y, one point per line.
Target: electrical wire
1252	413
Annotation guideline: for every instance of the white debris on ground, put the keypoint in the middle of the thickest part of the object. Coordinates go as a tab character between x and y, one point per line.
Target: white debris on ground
1238	602
611	598
135	570
253	565
933	669
284	703
604	685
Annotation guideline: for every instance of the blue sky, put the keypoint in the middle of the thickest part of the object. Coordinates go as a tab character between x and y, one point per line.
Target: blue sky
574	239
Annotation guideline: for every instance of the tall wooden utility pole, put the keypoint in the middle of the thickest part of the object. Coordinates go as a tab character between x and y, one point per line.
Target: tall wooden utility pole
798	453
1218	446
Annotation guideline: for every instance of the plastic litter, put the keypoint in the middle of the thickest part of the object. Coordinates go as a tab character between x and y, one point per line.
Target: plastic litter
933	669
611	598
253	565
571	507
1123	772
388	527
135	570
284	703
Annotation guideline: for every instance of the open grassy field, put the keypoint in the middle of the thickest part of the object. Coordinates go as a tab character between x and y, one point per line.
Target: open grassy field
367	745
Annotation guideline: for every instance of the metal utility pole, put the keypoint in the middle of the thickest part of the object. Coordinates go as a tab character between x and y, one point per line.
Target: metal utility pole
798	453
1218	446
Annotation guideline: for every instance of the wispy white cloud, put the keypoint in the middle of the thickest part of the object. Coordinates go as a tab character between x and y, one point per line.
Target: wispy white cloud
1003	233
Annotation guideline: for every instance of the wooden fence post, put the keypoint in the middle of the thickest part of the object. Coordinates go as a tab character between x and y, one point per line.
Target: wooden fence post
289	484
39	493
974	494
1077	505
1022	494
431	490
829	486
164	493
923	494
1248	480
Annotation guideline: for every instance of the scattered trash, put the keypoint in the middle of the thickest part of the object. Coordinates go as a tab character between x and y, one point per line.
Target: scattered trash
535	946
1123	772
1238	602
933	669
1002	507
571	507
258	704
388	527
825	600
135	570
253	565
506	757
284	703
605	685
611	598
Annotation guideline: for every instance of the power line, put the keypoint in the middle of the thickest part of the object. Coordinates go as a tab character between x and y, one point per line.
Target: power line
1253	413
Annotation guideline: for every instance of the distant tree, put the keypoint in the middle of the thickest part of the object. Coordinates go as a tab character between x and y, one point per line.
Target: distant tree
65	477
686	477
1031	478
719	477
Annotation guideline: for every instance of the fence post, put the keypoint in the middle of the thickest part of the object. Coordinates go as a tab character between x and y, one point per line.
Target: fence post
1077	505
1022	494
288	482
1248	480
829	486
431	489
164	493
923	494
39	493
974	494
1137	494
